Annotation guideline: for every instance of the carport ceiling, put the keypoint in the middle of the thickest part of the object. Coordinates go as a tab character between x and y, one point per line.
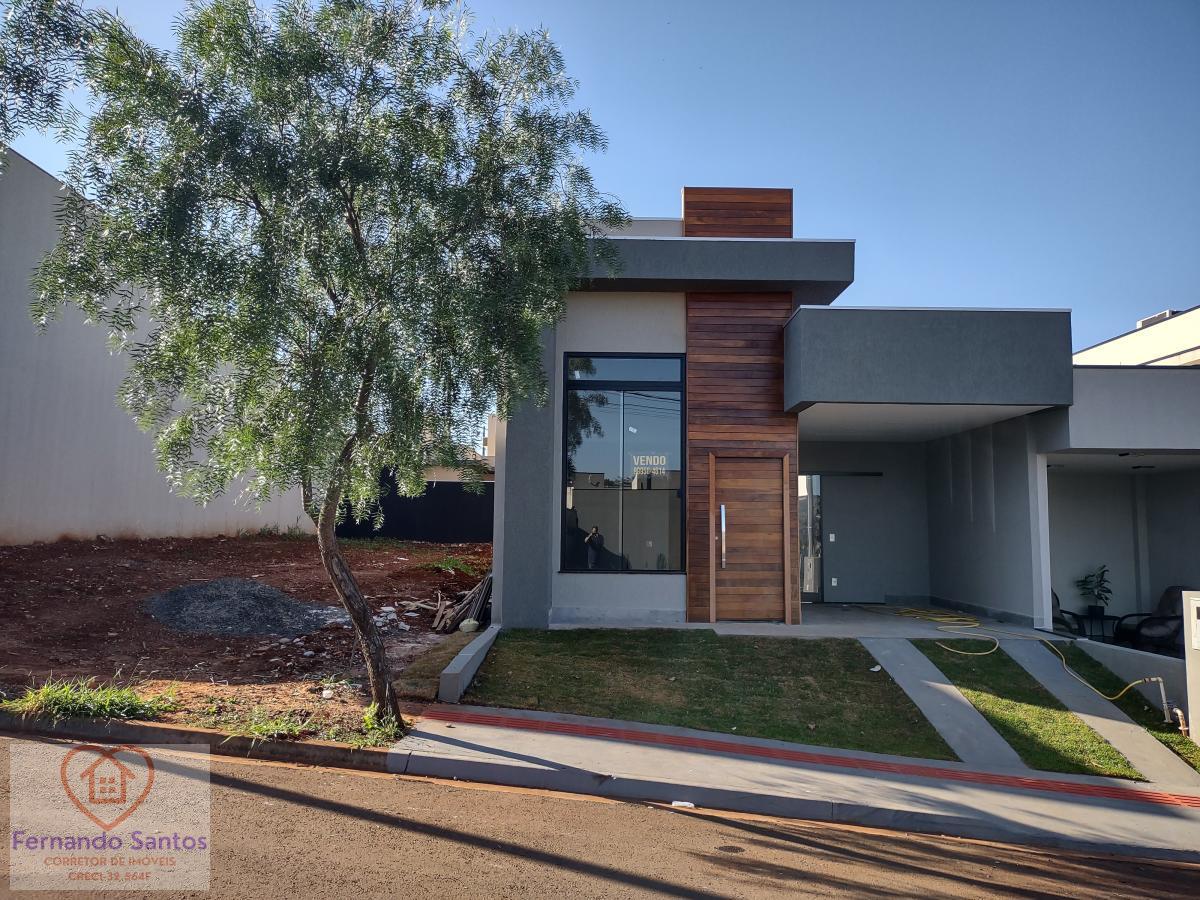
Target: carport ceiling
1135	462
898	421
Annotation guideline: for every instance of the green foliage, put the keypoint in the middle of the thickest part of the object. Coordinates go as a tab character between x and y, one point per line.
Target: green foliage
454	565
82	699
263	726
1094	587
377	729
328	235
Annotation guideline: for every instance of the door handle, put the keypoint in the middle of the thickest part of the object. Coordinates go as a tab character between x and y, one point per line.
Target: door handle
722	535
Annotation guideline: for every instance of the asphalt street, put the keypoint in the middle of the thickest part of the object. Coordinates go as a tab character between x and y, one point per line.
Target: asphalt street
289	831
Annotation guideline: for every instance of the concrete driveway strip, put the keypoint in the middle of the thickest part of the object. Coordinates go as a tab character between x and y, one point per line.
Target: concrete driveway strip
959	723
1137	745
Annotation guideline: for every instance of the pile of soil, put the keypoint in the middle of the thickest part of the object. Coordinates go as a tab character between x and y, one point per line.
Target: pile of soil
242	607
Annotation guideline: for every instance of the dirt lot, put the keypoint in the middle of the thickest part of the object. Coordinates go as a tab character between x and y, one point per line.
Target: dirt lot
76	608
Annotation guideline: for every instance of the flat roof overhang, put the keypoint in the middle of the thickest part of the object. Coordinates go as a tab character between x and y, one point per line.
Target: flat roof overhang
813	271
1126	409
1124	462
896	374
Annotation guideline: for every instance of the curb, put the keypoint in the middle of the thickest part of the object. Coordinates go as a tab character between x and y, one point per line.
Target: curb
456	677
120	731
410	759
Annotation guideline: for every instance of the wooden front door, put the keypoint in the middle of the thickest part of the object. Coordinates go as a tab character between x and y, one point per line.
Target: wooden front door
750	567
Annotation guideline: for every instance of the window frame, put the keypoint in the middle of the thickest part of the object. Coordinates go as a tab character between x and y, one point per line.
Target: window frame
568	384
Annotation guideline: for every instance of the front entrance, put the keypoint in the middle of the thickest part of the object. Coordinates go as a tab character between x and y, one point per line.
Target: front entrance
749	568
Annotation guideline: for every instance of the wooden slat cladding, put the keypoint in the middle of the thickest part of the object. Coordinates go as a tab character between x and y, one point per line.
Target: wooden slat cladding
737	212
750	584
734	407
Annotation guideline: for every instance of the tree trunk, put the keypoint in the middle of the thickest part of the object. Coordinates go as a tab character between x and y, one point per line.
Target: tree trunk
383	693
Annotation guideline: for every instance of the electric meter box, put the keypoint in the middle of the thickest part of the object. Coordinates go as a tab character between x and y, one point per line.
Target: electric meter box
1193	613
1191	656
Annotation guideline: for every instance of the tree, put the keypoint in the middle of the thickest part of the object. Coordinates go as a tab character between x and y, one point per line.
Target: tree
329	236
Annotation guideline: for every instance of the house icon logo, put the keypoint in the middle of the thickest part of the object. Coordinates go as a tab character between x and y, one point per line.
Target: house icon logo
110	787
106	780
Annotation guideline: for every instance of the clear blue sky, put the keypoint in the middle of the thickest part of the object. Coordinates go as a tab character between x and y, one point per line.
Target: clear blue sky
1003	153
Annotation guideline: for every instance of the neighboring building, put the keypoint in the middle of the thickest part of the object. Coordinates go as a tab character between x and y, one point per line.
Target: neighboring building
72	463
1168	338
722	444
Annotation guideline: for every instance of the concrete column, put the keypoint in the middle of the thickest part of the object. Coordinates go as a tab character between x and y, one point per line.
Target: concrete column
1039	534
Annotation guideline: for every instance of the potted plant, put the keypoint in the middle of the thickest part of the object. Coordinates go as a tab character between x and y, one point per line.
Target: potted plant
1094	588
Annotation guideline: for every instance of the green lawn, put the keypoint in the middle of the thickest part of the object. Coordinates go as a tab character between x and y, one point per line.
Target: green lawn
812	692
1042	731
1133	704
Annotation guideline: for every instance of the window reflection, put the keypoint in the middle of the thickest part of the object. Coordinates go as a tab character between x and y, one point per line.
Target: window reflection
623	493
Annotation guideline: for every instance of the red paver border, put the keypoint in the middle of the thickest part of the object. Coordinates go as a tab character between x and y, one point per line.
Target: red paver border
713	745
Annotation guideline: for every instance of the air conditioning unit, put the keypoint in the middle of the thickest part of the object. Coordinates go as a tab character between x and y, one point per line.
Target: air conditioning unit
1156	318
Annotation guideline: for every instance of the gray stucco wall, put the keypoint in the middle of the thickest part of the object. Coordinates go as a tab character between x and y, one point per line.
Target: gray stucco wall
937	356
1173	501
882	547
524	507
1093	519
1151	408
984	534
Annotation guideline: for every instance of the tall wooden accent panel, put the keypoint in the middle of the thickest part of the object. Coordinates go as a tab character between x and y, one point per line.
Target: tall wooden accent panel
740	445
739	441
737	212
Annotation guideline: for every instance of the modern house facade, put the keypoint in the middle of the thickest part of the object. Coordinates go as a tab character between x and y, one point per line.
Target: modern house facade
723	442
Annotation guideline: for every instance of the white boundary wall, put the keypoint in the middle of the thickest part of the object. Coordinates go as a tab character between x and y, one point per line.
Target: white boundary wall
73	464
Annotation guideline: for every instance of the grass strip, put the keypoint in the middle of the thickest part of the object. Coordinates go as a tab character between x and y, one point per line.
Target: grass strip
819	692
1133	704
1045	734
261	724
82	698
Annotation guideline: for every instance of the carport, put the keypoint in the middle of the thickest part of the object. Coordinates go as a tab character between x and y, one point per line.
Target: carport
916	443
1123	489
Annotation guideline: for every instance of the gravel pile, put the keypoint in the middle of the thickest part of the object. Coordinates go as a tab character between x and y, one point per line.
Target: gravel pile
239	606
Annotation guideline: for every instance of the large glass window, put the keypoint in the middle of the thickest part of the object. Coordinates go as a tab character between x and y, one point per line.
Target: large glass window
623	464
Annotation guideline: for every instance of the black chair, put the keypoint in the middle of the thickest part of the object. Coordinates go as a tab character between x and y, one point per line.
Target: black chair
1159	631
1071	623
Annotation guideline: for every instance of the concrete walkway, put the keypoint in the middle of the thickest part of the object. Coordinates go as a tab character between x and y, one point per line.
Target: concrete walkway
1157	763
641	762
959	723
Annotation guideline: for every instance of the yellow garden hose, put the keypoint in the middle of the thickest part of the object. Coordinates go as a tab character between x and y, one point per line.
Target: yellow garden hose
960	623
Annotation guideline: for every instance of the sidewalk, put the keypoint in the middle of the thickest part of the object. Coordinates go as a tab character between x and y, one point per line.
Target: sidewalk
632	761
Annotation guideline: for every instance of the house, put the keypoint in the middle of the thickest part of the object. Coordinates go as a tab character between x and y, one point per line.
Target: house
106	779
1168	338
723	442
